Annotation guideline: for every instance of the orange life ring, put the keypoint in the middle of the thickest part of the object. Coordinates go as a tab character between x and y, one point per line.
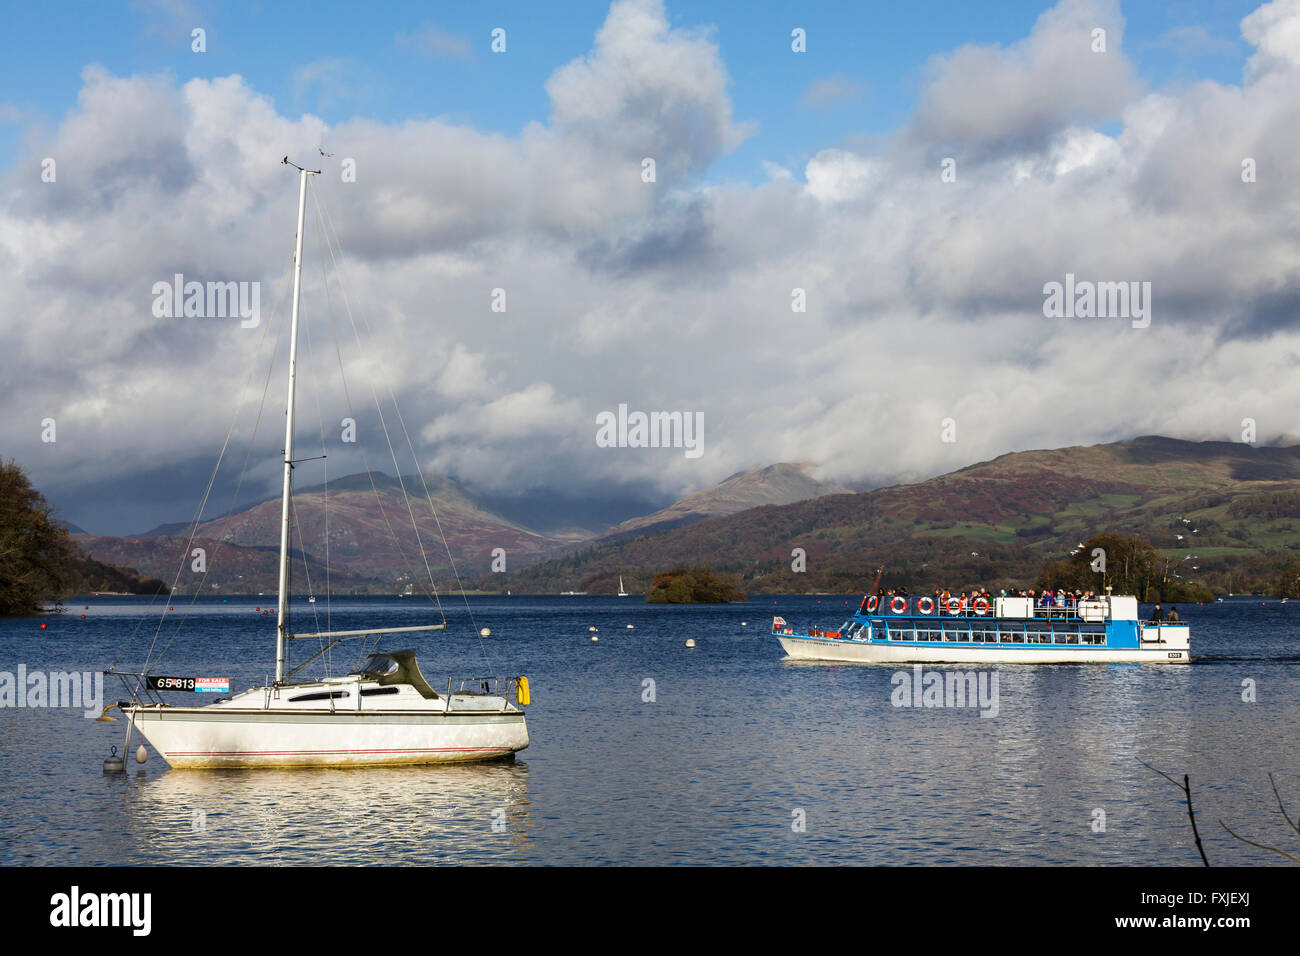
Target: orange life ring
954	605
925	605
981	605
893	605
873	602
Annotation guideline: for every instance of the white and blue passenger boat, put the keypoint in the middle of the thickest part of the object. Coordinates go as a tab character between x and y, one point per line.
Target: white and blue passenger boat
1013	630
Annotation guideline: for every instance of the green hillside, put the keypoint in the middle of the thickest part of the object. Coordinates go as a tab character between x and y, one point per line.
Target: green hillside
1223	514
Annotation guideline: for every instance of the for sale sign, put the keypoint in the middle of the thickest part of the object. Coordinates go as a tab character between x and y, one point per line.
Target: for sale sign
197	685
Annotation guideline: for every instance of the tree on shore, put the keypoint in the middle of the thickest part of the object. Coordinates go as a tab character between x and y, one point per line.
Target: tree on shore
693	585
1127	565
35	552
1286	580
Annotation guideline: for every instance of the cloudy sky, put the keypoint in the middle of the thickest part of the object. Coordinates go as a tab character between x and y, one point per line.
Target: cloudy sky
920	174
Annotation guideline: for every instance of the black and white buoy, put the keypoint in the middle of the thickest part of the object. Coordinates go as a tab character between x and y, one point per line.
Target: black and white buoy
113	763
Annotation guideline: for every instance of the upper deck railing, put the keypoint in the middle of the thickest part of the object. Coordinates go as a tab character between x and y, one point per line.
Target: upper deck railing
926	605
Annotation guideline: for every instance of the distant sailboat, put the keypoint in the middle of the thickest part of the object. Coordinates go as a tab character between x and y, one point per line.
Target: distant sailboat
621	592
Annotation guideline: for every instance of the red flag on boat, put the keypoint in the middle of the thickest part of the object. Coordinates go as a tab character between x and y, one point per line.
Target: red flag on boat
778	622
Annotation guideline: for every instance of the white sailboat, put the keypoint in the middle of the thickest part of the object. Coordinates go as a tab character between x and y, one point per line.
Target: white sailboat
383	713
621	592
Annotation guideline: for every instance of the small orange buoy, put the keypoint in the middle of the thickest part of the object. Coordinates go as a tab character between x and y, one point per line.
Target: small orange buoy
83	617
42	627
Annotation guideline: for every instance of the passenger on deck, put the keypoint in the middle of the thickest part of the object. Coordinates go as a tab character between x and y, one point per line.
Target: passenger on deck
1157	615
1173	615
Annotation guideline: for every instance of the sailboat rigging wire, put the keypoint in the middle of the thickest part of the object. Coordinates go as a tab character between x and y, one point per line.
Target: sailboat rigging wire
397	468
433	589
320	415
198	515
323	215
221	538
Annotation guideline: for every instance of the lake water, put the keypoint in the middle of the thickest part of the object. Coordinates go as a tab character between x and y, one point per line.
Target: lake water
737	748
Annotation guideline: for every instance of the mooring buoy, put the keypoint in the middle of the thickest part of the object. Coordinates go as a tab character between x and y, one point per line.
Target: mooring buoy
690	642
113	763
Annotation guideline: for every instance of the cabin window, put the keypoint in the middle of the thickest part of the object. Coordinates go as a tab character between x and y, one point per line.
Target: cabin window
322	695
379	665
380	691
1092	634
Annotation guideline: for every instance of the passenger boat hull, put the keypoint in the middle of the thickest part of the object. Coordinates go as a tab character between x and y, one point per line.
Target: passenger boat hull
205	737
894	652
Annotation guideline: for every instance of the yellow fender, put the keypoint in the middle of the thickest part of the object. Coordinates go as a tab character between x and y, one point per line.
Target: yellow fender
521	691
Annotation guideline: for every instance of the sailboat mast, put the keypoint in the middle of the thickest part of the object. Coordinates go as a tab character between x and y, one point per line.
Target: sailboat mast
282	614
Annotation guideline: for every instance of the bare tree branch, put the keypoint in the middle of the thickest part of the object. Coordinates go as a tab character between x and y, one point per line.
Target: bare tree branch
1294	825
1186	787
1260	845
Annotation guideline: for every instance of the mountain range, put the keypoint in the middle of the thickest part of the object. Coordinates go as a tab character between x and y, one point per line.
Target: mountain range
1221	513
366	533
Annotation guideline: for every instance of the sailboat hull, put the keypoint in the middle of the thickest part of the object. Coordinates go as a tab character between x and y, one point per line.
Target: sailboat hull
206	737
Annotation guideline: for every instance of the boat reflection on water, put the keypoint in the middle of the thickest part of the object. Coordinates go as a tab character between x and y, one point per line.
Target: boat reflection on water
463	813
